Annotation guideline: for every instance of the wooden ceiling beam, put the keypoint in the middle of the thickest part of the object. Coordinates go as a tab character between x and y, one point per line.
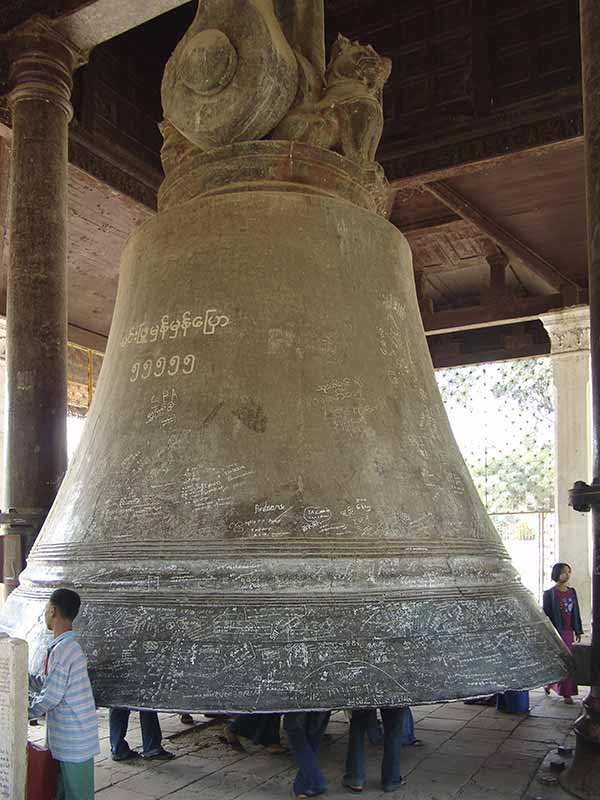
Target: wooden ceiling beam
519	309
102	20
476	165
506	240
87	23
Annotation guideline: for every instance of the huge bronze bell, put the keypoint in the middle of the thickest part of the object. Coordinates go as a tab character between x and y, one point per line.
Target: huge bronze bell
268	510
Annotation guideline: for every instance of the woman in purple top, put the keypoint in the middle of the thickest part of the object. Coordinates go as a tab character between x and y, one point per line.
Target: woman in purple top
561	606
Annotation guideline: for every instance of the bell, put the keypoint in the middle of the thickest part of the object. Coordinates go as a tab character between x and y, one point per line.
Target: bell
268	510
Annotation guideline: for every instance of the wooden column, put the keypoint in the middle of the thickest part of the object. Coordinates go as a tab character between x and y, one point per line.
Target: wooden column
582	778
40	84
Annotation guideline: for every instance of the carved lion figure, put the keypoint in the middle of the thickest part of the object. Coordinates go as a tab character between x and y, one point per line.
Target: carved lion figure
348	118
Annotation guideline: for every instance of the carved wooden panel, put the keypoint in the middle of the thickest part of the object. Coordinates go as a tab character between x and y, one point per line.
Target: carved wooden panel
114	105
430	44
534	48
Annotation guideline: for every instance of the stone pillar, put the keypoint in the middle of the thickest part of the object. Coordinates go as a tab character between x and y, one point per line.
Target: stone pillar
40	83
2	405
569	332
13	718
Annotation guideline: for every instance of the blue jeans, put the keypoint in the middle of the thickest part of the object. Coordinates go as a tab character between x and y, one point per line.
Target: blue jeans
151	732
375	729
393	737
408	727
305	731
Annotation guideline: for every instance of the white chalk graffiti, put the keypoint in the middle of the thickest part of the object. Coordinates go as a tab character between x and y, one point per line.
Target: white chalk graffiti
167	328
314	514
156	368
161	408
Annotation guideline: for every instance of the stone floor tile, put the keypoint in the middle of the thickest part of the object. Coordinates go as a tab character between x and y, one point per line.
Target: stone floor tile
223	785
466	765
472	791
117	793
501	722
157	783
440	724
491	711
477	735
432	739
524	749
549	734
514	780
109	772
458	711
423	784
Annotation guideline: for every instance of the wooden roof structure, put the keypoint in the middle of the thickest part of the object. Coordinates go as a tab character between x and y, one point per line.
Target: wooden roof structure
483	147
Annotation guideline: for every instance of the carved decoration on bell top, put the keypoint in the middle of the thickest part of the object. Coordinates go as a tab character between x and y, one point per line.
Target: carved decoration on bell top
232	77
235	77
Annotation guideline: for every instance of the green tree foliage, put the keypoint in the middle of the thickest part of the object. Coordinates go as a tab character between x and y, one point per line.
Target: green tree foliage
516	473
521	480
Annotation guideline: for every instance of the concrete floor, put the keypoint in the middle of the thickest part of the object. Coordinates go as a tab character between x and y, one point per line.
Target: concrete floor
470	752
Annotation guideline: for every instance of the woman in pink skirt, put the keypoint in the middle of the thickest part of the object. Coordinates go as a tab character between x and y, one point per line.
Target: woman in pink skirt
562	608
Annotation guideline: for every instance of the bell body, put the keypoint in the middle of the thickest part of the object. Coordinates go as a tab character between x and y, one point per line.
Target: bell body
268	510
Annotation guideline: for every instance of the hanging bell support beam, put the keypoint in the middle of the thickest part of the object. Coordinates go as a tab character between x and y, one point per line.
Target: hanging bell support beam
581	779
40	84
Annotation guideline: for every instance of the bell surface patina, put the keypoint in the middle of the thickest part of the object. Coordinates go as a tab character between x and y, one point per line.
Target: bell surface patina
268	510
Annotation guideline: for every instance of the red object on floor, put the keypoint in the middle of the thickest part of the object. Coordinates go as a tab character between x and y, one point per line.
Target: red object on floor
42	772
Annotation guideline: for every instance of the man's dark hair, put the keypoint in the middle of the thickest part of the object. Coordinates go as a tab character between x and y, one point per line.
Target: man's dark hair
557	569
67	602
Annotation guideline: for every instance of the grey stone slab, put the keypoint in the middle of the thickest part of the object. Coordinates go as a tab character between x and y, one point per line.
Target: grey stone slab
466	765
458	711
473	791
549	734
118	793
109	773
516	779
440	724
473	748
498	723
477	735
432	739
163	778
524	749
423	784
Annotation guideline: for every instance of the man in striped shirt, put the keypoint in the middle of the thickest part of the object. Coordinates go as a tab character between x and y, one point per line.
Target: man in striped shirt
66	698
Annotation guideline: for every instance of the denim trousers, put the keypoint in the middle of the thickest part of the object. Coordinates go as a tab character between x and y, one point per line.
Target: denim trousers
305	731
151	732
261	729
393	737
375	728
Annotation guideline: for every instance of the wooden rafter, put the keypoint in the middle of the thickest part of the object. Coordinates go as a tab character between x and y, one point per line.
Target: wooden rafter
518	310
555	279
477	165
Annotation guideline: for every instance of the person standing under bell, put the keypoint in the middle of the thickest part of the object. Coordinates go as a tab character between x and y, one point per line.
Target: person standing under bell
152	748
305	731
64	695
395	729
562	608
